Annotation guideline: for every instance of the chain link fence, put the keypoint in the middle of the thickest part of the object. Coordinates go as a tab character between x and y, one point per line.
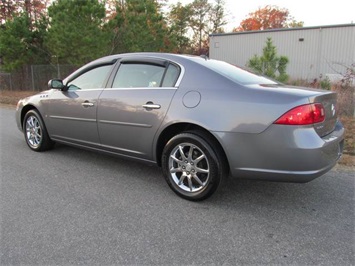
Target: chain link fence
33	77
6	81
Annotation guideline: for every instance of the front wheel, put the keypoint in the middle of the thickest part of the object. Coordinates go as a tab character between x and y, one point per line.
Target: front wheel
192	166
35	132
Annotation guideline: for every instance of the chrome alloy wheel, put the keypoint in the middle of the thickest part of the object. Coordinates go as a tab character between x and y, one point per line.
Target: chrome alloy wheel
189	167
33	131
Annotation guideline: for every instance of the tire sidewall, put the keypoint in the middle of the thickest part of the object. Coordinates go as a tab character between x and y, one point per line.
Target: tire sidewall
44	137
214	175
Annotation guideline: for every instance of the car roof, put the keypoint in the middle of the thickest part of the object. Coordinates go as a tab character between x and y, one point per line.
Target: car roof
182	59
179	58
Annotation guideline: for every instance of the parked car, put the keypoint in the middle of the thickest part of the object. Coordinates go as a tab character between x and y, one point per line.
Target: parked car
199	119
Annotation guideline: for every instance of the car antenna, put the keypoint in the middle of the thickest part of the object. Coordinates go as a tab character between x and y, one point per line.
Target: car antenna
204	56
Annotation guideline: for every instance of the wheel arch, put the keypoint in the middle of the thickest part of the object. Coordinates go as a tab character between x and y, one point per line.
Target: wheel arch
178	128
24	111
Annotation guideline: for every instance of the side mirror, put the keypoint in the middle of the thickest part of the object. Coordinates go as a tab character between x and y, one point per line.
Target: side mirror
56	84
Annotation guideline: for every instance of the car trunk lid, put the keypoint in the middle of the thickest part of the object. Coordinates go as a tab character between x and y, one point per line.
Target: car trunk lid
329	102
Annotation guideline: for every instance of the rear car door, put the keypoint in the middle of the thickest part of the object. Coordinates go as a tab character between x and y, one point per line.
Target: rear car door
132	110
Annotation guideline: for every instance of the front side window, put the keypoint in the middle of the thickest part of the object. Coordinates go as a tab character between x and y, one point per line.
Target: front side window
92	79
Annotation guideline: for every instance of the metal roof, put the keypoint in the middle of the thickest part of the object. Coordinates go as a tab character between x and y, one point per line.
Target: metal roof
283	29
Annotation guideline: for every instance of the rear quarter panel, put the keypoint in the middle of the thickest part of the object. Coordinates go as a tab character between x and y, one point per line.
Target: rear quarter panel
230	107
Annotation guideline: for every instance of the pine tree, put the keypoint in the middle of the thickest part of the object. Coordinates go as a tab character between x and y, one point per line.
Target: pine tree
75	35
179	20
269	64
139	26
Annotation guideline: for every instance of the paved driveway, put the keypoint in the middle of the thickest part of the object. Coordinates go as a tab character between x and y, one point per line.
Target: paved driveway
69	206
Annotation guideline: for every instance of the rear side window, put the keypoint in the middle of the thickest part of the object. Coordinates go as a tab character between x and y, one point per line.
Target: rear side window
146	74
138	75
171	76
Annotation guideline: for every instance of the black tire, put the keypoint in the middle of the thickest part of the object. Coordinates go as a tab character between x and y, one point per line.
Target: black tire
35	132
188	175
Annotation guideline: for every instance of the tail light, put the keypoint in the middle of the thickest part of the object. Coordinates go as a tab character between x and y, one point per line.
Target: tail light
303	115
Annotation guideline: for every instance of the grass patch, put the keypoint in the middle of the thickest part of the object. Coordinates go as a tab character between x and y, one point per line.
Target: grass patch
349	124
348	157
12	97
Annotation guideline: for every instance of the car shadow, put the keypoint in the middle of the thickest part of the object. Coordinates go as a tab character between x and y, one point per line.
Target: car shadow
233	193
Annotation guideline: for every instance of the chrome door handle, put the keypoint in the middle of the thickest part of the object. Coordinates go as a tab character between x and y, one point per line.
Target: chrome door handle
87	104
149	105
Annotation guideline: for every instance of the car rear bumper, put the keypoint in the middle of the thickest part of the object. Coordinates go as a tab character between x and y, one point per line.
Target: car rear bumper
282	153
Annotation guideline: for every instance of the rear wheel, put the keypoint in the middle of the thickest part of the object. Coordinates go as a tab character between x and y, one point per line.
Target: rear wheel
192	165
35	132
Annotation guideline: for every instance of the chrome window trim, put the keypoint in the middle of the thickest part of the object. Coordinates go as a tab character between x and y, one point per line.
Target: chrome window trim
84	90
178	81
182	73
141	88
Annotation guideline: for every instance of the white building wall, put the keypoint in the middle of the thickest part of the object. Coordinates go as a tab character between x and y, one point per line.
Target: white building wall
323	51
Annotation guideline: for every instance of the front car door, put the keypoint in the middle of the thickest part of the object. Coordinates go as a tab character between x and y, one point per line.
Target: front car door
131	112
72	113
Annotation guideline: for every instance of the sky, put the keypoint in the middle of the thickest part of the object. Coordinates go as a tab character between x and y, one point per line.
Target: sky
311	12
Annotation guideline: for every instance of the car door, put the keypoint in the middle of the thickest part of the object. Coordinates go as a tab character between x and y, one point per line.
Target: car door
72	113
131	112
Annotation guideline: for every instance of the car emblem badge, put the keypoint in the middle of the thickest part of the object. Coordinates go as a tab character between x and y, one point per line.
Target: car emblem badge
333	110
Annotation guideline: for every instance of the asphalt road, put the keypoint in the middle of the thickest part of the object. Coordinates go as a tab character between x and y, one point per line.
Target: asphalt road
70	207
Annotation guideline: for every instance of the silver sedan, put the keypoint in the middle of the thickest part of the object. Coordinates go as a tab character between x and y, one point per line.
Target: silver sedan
199	119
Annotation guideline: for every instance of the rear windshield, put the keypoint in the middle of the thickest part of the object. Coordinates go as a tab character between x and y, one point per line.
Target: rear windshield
235	73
